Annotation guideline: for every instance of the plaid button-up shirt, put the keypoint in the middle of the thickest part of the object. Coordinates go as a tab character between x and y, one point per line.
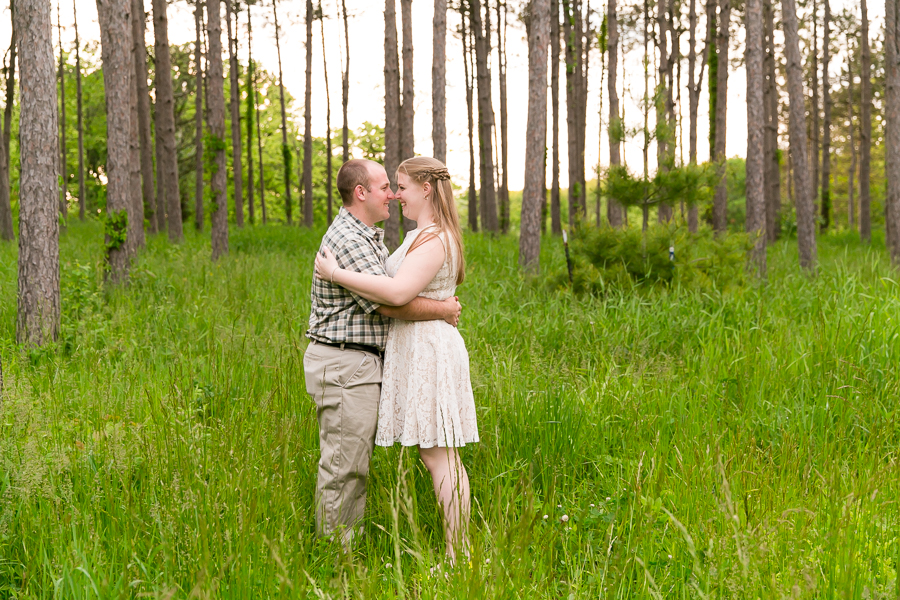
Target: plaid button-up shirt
337	314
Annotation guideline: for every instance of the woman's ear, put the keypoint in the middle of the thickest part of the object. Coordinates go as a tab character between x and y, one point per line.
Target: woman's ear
426	187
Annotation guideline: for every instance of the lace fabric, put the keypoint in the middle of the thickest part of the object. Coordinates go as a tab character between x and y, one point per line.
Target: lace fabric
426	392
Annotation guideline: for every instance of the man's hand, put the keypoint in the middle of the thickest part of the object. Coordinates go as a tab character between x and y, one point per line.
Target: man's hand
454	309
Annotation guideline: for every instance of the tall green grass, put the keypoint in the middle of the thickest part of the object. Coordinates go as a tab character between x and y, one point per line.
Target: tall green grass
656	443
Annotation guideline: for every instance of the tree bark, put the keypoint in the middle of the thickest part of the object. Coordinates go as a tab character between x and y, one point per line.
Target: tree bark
328	168
237	168
7	232
851	127
756	126
469	72
826	124
770	105
307	118
503	190
250	110
538	25
64	188
118	71
613	208
216	102
892	129
694	87
573	77
555	210
865	129
38	269
439	81
82	197
488	198
198	120
345	82
720	202
645	108
392	134
814	107
135	225
259	150
285	148
167	152
663	125
407	107
143	108
806	217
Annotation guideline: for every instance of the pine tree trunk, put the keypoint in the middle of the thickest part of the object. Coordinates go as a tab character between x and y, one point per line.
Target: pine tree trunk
439	81
555	210
756	127
286	156
136	224
720	202
198	120
584	43
806	217
328	167
6	221
573	73
64	189
250	111
615	132
469	72
694	86
851	127
503	191
167	151
407	108
663	126
237	168
814	107
216	124
826	131
485	121
892	129
82	197
38	275
392	134
307	135
143	105
345	82
865	129
770	105
538	26
118	73
259	148
645	107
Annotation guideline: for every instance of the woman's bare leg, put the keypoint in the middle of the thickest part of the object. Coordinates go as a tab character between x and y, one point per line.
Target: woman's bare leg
451	486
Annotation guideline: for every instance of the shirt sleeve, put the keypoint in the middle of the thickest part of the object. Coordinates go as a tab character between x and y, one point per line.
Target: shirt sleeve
360	256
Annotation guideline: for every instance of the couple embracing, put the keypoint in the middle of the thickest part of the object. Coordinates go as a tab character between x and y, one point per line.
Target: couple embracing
385	363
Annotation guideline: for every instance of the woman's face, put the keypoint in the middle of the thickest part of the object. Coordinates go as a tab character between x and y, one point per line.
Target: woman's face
413	197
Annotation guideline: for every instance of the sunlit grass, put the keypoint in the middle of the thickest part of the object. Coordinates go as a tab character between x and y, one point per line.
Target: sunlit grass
650	443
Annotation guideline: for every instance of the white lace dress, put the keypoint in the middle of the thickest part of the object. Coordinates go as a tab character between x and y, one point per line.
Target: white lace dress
426	394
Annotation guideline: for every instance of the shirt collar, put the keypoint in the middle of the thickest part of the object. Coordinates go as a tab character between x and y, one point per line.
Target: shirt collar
375	233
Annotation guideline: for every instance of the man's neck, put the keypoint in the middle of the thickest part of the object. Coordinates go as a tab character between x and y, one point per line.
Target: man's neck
358	211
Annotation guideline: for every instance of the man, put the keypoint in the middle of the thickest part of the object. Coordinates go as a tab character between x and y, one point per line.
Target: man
347	333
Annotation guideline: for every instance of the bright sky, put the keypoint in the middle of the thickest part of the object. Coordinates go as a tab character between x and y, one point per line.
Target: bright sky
367	77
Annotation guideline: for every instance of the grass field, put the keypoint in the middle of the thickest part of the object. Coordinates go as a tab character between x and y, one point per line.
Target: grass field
657	443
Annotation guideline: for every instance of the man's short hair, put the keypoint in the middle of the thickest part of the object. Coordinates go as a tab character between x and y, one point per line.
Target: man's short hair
352	173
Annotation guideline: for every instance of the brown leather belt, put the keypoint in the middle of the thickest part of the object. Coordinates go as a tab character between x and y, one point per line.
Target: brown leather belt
351	346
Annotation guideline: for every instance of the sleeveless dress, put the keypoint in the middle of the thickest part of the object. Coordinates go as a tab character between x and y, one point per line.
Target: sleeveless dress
426	394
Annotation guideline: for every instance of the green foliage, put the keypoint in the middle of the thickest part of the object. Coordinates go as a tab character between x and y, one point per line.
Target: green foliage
691	184
115	226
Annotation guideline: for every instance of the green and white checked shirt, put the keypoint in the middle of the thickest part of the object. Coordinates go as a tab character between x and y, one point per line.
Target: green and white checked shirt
337	314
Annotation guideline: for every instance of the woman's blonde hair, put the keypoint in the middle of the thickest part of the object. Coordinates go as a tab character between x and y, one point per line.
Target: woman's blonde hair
423	169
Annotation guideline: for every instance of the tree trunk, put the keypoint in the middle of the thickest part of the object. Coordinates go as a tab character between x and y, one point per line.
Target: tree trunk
237	168
555	210
259	151
118	71
328	168
439	81
806	217
892	129
865	130
143	108
756	126
82	197
851	127
6	221
408	107
392	135
663	126
345	82
615	131
538	26
216	102
814	107
503	191
38	277
645	107
469	71
485	121
286	156
135	224
770	105
167	151
573	76
720	202
250	111
826	131
198	120
694	86
64	189
307	135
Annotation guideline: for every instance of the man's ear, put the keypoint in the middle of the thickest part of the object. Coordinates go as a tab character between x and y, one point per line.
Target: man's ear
360	193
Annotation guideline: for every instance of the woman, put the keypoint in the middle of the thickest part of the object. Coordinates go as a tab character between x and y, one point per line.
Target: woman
426	394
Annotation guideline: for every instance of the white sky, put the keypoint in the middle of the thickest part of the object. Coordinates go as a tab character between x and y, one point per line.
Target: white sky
367	78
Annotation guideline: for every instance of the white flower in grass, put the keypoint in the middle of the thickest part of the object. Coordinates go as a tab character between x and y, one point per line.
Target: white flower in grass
545	517
388	565
564	518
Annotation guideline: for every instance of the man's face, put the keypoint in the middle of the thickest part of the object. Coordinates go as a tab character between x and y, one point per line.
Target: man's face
380	195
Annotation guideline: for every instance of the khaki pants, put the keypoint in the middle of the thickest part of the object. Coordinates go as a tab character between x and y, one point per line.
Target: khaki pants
346	386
